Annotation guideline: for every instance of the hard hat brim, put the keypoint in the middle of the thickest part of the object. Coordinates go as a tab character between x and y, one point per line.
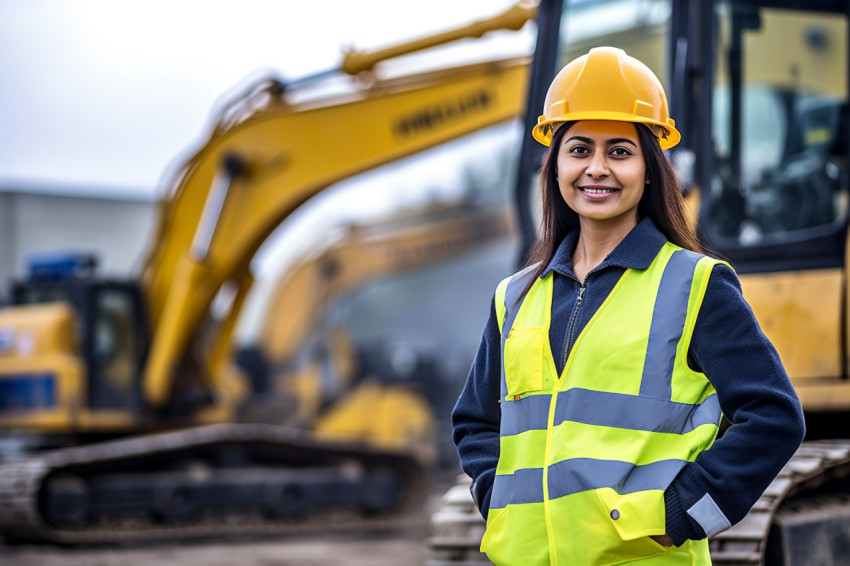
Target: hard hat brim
667	135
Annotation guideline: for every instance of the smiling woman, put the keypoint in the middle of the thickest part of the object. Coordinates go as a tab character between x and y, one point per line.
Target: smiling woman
606	364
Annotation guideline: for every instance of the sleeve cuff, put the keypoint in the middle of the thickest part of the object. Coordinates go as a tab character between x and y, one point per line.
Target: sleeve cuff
679	526
481	490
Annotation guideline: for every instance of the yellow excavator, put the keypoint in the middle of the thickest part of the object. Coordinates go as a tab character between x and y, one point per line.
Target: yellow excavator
759	89
131	383
308	358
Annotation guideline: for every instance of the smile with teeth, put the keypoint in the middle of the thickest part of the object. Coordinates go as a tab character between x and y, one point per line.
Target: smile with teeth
596	191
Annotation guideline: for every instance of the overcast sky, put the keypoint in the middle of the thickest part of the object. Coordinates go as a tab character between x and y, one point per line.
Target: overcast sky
101	95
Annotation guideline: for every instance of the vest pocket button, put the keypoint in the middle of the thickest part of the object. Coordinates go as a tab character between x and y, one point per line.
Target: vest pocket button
615	514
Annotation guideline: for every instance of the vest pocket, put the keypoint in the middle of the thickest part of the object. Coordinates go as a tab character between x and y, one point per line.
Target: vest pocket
634	517
523	360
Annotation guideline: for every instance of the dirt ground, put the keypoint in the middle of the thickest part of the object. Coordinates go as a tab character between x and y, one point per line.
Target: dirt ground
406	545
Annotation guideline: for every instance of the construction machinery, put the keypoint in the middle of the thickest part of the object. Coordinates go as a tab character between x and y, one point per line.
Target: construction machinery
308	356
143	367
759	90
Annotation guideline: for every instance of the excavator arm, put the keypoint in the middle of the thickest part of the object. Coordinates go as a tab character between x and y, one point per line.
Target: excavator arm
366	253
258	166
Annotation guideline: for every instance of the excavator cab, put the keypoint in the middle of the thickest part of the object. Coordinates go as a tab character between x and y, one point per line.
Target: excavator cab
762	92
98	322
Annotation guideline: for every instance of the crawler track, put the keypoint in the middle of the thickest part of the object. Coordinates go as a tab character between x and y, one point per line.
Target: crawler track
272	480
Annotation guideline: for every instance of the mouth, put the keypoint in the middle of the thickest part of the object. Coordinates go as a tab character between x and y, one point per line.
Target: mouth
597	192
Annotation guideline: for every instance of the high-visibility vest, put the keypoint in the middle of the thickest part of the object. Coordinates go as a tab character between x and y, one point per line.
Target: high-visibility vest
586	455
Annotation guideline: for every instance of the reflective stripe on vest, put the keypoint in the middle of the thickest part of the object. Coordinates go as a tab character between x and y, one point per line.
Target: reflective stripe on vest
613	429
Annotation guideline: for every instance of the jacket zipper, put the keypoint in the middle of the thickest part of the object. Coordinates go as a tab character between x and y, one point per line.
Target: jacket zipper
572	324
576	308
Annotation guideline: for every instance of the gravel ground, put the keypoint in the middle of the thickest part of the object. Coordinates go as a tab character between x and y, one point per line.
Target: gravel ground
390	550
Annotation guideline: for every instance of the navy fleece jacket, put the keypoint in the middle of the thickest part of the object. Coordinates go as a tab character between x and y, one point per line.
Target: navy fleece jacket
727	345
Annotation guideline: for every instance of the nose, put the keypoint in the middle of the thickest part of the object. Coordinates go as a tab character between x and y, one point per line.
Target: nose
598	166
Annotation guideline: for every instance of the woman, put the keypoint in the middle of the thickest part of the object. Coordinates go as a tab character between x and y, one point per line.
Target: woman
586	420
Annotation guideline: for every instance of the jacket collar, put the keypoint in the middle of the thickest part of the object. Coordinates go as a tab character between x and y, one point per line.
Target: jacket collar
636	251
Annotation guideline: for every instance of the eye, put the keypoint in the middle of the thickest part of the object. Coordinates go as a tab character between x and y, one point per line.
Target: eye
620	152
579	149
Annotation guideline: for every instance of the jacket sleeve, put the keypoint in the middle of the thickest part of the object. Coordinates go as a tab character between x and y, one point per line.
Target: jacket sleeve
476	416
718	489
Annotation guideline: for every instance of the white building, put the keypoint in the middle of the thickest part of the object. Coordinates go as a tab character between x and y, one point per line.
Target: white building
114	228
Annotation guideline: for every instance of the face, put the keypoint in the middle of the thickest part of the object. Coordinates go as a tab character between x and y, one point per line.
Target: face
601	171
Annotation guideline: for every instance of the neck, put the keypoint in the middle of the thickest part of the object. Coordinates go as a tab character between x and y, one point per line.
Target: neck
597	239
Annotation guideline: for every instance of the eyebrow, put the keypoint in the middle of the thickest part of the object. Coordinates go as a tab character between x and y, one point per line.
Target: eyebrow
612	141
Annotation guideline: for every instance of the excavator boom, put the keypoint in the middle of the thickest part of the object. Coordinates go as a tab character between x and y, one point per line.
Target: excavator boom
266	166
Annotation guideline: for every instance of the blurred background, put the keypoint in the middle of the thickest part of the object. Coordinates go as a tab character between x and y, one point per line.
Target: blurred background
106	99
247	252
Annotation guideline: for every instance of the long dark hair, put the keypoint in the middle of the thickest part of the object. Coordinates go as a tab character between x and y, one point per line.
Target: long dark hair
662	201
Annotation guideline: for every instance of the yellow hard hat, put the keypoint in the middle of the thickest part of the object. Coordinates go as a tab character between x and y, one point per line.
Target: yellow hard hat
607	84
